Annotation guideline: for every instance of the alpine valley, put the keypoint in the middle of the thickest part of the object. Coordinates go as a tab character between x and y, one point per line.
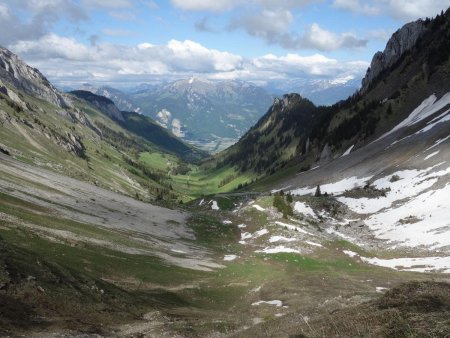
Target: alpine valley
321	221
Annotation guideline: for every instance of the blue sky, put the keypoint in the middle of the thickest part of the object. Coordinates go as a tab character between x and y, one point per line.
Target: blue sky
126	42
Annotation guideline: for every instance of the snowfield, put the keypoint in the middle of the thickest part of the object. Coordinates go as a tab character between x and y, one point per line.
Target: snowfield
411	214
427	108
278	249
334	188
230	257
304	209
277	303
420	264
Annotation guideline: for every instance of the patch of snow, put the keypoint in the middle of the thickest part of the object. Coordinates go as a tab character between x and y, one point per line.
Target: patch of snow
215	206
246	235
257	207
274	239
241	226
409	184
350	253
427	108
260	233
201	202
380	289
304	209
314	244
230	257
277	303
331	231
419	264
178	251
227	221
440	119
278	249
438	142
422	220
293	227
348	151
431	155
334	188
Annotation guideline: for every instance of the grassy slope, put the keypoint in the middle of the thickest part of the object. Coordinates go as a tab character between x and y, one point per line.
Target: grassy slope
92	288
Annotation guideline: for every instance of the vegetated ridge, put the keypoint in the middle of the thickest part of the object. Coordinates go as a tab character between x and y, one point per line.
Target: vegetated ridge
294	132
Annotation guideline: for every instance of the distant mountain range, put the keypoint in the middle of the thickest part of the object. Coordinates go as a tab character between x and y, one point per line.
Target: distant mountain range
214	114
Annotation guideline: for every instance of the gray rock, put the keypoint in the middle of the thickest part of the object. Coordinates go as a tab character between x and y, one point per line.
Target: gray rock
400	42
23	77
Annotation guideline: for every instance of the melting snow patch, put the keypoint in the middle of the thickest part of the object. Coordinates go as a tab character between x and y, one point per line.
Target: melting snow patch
348	151
304	209
230	257
407	184
274	239
427	108
277	303
438	142
380	289
201	202
278	249
431	155
420	264
259	233
440	119
350	253
331	231
215	206
241	226
313	244
423	220
227	222
178	251
334	188
293	227
246	235
257	207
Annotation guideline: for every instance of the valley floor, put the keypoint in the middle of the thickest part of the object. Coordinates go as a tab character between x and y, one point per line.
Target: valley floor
80	261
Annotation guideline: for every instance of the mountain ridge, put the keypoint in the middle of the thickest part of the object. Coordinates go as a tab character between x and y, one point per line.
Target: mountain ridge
404	82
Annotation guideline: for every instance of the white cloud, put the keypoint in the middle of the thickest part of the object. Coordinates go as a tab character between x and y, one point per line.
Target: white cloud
66	61
357	7
273	27
324	40
111	4
40	16
225	5
413	9
267	25
401	10
207	5
203	25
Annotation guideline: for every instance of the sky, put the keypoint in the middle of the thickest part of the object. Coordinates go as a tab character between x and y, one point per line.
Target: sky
128	42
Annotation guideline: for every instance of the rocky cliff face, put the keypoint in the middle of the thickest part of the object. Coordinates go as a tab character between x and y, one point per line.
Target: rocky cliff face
400	42
28	79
